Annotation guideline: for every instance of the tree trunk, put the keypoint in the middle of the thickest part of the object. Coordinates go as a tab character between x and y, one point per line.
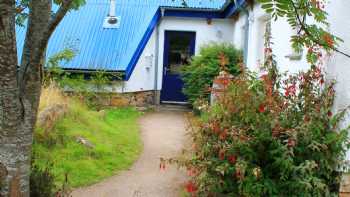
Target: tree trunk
33	52
20	95
15	137
20	91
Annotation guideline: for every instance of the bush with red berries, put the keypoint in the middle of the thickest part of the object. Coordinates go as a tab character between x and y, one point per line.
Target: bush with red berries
269	136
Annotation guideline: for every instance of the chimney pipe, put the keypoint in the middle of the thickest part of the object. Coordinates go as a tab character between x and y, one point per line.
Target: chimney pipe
112	8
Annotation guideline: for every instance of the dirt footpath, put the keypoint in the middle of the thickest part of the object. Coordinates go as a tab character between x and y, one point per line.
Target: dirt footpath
163	135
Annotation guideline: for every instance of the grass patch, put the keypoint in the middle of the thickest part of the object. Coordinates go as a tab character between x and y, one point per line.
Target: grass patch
114	134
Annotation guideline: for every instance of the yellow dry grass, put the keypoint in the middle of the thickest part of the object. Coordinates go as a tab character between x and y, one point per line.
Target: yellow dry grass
52	95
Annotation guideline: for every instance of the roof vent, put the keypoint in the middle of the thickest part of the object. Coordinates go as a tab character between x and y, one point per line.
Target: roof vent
112	21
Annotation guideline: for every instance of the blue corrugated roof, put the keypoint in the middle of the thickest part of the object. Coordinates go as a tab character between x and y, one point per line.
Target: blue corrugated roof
109	49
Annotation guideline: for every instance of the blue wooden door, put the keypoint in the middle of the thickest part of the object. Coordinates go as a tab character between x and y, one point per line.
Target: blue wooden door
178	49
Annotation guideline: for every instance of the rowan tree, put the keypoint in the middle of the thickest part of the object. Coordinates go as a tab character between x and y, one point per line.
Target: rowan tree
20	83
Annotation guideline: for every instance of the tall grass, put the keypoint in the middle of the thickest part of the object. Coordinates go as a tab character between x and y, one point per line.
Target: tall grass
113	133
52	95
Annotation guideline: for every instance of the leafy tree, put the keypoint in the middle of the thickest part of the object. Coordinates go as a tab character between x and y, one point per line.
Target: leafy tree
20	84
53	68
312	33
309	18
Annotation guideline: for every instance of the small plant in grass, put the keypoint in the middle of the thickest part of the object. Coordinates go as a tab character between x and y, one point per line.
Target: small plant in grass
42	182
198	76
53	70
94	89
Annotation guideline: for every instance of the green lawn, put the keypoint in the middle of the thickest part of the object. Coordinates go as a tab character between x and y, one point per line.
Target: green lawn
115	135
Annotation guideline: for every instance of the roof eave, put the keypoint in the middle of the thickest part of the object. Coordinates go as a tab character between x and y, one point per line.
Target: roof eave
190	9
232	7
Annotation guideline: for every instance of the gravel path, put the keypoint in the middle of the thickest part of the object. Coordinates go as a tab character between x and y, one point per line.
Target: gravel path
163	135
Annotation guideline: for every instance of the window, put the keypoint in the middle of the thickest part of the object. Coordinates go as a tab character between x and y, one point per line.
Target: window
179	52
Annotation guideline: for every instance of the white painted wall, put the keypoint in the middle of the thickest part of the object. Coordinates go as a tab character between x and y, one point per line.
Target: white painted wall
142	79
239	31
257	21
220	30
281	33
338	67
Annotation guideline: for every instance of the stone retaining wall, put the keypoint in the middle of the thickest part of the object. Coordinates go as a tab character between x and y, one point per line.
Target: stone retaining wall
138	99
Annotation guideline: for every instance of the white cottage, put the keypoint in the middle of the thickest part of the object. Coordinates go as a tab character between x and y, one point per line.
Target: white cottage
147	41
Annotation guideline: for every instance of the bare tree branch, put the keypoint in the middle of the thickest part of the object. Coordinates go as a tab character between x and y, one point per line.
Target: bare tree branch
41	45
62	11
37	37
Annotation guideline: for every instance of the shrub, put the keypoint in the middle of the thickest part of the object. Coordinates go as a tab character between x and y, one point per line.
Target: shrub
93	87
269	136
42	182
198	76
53	70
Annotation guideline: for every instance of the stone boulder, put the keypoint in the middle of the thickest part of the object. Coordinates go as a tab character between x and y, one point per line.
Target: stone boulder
85	142
50	115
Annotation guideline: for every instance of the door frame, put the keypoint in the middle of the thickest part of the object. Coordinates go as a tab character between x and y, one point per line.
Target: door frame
167	34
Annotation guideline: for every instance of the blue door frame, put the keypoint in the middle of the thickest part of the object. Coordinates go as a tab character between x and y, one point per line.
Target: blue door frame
172	82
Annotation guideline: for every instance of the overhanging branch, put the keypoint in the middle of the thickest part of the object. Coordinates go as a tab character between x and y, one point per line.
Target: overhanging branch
37	38
301	22
57	18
